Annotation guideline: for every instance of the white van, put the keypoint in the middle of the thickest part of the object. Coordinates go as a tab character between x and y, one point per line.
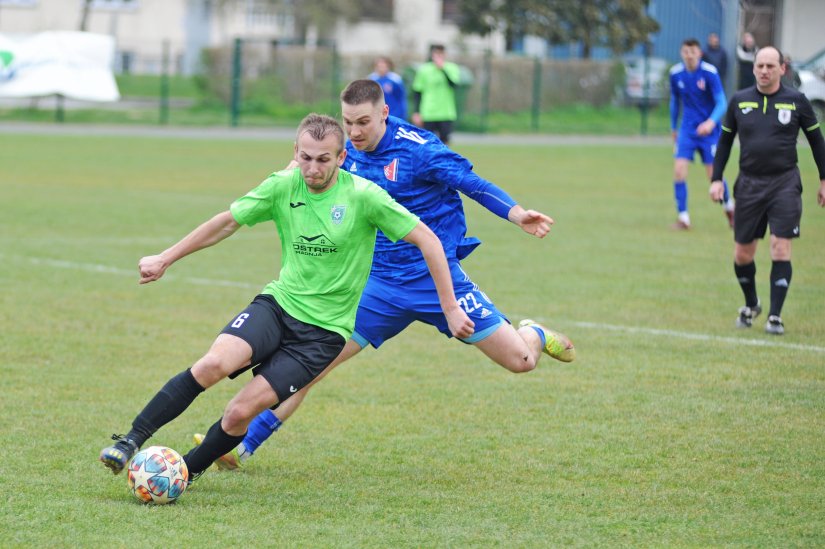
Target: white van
811	79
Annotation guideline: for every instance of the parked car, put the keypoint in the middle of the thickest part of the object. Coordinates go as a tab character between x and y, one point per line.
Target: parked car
811	78
645	77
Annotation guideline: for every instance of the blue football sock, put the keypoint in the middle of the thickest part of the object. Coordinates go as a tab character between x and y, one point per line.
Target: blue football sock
541	335
261	428
680	192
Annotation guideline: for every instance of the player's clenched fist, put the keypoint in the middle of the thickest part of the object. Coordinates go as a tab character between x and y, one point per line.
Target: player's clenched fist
151	268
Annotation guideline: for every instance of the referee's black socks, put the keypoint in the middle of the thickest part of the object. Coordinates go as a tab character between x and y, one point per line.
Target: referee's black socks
746	275
781	272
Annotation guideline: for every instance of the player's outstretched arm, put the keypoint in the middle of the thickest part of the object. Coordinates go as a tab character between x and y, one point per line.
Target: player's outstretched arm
820	196
208	234
433	252
530	221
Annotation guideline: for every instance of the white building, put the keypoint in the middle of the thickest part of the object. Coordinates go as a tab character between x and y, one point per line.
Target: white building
141	27
398	28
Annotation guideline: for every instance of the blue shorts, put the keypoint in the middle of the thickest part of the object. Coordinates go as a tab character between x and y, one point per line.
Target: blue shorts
388	306
687	145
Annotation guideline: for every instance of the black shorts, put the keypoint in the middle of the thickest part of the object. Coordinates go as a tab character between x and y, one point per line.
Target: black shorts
774	200
288	353
442	129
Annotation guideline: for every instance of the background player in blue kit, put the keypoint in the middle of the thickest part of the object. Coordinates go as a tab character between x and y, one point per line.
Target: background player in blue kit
696	90
425	176
395	94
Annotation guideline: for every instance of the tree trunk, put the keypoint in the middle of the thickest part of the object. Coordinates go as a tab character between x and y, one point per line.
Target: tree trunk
84	15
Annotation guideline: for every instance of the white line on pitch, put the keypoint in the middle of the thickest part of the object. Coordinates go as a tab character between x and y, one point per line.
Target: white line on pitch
700	337
96	268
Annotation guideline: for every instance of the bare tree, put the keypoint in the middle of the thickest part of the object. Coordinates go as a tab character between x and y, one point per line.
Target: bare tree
84	15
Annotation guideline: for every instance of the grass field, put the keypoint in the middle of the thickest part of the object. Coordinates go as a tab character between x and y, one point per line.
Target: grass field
671	429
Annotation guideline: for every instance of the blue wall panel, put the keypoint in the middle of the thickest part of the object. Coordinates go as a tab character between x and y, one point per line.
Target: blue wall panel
678	19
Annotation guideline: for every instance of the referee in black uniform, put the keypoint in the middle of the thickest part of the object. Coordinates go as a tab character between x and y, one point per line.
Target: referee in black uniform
768	190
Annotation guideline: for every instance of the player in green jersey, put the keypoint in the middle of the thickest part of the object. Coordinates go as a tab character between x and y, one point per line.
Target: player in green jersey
327	220
434	104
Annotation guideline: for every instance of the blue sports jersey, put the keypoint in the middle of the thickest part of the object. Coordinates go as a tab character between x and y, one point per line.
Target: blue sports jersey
394	94
700	96
425	176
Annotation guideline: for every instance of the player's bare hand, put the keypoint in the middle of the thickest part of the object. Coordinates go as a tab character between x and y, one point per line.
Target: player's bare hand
535	223
459	323
151	268
820	196
417	120
705	128
717	191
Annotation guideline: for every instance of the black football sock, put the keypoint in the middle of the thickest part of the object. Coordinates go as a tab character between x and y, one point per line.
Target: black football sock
780	282
215	444
169	403
746	275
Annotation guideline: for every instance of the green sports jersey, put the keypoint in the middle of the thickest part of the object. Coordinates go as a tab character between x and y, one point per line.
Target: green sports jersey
327	242
437	95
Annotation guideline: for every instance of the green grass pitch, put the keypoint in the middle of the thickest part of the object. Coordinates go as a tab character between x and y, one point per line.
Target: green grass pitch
671	429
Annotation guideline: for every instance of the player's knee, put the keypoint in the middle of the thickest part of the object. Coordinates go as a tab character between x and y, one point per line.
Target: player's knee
237	415
780	249
520	363
211	368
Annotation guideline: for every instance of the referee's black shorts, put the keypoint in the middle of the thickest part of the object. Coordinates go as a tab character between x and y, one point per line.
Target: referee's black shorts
774	200
288	353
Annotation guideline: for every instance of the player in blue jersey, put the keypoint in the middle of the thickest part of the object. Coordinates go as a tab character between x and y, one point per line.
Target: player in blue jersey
696	91
395	95
425	176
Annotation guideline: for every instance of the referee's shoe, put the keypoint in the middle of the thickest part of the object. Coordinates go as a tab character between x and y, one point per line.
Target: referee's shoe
774	325
747	314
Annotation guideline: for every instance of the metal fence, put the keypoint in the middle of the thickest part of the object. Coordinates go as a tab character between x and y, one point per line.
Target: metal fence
252	75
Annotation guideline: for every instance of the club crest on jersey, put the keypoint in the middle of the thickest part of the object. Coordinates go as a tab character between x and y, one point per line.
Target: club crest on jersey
337	214
391	170
784	116
701	84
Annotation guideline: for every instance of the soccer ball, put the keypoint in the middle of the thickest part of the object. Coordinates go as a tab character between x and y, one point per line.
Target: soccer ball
157	475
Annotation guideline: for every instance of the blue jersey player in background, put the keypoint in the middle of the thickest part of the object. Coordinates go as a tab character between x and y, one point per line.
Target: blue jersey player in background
395	95
696	90
425	176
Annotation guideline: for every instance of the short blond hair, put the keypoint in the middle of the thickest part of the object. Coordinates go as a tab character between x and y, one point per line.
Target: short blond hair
319	126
